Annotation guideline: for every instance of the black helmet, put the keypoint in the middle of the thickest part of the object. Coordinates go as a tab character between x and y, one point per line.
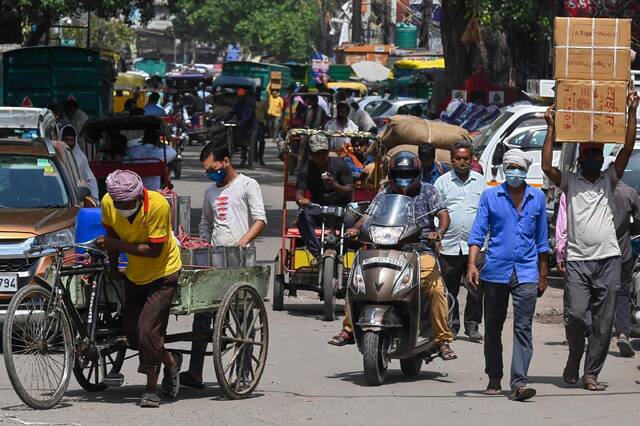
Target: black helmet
405	172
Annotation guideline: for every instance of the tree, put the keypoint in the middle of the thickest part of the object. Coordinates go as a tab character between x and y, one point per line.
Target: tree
109	34
37	16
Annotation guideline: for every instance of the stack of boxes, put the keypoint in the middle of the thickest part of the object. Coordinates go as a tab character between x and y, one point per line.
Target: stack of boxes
592	68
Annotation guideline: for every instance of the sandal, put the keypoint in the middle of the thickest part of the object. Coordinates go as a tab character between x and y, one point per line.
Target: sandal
493	388
342	338
446	353
149	400
571	373
590	383
522	393
187	379
171	379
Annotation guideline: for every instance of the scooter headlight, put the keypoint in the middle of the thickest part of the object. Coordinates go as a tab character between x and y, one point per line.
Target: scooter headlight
357	280
404	280
385	235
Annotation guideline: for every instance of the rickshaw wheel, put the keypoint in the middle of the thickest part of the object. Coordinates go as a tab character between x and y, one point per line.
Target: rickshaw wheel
88	370
241	330
278	292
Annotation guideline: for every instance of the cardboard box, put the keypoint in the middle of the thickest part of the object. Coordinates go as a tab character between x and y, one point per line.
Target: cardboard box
591	111
592	49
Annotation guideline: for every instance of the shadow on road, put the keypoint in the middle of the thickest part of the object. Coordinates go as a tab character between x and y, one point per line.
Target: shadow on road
393	376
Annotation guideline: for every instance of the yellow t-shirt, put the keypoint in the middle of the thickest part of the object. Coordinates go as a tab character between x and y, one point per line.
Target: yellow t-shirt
275	106
152	224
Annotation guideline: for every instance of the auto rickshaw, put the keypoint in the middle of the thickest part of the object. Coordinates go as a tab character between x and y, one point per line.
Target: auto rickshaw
189	92
107	135
129	85
358	89
295	268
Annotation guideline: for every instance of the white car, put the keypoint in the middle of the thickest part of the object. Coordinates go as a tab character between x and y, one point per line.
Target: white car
27	123
399	106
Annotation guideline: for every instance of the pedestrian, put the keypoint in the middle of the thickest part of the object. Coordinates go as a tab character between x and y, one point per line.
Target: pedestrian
138	223
244	111
432	169
262	126
341	123
77	118
593	265
70	137
514	216
232	215
461	189
627	208
152	107
276	105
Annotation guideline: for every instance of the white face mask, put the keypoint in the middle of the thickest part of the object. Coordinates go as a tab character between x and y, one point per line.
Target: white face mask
129	212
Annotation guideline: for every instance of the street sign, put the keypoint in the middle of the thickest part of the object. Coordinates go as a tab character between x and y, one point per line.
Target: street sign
26	102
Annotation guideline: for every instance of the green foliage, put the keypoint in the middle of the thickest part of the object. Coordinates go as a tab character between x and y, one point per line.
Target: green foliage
526	17
109	34
283	29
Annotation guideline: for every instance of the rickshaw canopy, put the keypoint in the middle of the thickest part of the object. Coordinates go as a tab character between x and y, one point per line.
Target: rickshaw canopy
349	85
235	82
93	129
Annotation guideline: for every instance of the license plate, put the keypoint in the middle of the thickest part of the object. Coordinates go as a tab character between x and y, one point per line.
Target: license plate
383	260
8	283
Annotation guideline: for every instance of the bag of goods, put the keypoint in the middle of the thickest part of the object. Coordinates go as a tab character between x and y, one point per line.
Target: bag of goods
410	130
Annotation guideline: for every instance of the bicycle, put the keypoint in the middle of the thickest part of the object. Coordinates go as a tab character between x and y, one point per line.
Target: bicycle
46	336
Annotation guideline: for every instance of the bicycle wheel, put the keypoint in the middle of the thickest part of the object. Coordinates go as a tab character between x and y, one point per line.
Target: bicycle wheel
89	369
38	348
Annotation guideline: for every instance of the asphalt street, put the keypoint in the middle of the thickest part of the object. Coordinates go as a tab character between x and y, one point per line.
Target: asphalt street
307	381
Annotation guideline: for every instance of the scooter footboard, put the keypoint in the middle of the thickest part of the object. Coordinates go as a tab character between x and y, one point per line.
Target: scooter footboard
376	317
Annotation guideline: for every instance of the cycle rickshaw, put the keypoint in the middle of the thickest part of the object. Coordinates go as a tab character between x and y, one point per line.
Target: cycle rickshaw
70	321
295	268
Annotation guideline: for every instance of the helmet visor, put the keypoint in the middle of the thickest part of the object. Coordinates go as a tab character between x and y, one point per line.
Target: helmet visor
404	178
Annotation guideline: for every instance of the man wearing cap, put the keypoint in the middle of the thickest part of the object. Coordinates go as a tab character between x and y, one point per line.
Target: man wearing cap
138	223
70	137
593	266
244	111
514	215
329	182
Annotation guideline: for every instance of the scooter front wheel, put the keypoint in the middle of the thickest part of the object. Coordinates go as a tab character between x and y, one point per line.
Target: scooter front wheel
374	357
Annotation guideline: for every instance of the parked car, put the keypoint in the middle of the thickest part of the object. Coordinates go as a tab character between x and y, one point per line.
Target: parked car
27	123
391	107
39	200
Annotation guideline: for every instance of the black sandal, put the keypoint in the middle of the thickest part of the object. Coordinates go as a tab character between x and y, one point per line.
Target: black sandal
187	379
493	388
171	379
590	383
522	393
149	400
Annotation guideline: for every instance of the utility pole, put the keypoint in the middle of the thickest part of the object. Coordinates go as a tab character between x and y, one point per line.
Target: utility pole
356	21
425	24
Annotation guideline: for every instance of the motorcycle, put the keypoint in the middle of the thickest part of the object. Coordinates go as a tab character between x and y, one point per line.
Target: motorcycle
391	317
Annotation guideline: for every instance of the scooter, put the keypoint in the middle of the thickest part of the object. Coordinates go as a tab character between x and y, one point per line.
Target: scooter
391	316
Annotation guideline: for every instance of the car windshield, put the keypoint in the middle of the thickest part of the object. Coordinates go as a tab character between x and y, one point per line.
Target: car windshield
392	210
481	141
632	171
18	133
381	109
28	182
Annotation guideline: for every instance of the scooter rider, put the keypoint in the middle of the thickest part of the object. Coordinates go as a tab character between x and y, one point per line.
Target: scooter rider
405	179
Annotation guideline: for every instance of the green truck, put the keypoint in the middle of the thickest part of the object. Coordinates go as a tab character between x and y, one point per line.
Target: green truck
263	74
48	75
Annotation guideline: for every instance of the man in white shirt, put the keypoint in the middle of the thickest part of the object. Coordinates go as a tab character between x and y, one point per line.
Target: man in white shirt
361	118
461	189
149	149
232	215
70	137
342	124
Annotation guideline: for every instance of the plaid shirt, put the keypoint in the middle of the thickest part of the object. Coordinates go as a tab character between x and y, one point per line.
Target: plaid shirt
427	200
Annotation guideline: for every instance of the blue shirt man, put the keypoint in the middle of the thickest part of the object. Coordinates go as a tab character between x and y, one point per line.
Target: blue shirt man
152	107
514	215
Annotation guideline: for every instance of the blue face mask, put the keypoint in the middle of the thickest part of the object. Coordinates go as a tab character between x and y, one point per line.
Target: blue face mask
515	177
217	176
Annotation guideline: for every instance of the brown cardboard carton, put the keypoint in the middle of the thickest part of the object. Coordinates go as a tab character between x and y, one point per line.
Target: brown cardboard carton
592	49
591	111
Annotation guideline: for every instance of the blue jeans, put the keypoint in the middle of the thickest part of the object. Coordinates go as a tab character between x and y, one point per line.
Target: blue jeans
496	302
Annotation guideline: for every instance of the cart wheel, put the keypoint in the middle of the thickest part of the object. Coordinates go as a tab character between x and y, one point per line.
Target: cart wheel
329	288
240	341
38	347
278	292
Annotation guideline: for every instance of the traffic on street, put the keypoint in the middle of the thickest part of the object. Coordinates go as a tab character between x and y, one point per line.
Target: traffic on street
407	214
